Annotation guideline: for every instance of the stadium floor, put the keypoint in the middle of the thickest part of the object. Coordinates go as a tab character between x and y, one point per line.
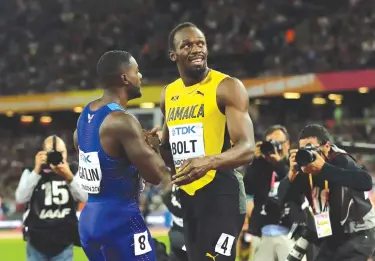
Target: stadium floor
12	247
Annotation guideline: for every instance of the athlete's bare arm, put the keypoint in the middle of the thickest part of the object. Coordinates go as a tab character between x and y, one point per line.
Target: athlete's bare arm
165	149
120	129
232	100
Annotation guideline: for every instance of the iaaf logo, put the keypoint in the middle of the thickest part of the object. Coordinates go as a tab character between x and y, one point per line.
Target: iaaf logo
183	130
85	158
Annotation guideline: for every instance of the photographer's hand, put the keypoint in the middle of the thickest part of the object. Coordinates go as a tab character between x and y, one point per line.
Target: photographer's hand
293	172
257	153
40	159
273	158
63	170
316	166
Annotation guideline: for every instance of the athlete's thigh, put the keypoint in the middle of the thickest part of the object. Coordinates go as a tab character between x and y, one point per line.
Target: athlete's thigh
93	251
133	247
217	236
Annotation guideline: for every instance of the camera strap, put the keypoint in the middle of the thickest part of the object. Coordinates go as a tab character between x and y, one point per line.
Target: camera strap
322	219
325	207
54	142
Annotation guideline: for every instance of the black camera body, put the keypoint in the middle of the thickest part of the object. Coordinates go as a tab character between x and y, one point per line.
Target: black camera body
54	157
305	155
268	147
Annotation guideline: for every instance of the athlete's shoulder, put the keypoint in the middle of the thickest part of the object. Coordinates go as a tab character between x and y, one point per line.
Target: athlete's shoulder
120	122
231	90
175	83
231	83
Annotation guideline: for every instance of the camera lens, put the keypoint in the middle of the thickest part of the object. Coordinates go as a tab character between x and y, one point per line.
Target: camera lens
267	148
305	157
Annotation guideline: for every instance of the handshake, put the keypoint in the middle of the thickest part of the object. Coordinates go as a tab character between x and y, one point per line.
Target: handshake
152	138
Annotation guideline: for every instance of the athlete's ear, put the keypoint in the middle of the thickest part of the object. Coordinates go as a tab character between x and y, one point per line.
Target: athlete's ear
172	56
124	80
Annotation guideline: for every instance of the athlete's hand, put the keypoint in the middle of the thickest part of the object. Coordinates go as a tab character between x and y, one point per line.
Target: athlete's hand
63	170
191	170
40	159
152	138
257	153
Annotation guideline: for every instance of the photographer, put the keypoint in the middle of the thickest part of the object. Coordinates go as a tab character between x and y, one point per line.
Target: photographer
270	165
336	188
50	192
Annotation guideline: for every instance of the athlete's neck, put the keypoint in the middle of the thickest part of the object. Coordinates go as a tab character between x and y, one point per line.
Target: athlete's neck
115	95
191	80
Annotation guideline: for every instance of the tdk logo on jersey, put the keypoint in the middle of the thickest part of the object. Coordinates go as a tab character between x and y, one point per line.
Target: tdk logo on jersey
183	130
85	158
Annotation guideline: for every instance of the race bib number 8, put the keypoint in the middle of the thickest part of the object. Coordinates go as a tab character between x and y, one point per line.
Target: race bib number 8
89	171
186	142
141	244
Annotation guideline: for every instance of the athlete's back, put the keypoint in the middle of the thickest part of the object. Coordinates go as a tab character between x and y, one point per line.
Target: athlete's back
113	155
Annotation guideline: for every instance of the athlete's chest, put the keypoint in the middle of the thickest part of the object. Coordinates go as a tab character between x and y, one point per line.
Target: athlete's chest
198	105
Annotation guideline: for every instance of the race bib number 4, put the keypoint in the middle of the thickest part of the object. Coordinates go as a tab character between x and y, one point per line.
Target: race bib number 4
89	171
186	142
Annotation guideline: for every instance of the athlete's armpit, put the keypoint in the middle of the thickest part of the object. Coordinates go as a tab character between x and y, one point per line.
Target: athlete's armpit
233	100
128	132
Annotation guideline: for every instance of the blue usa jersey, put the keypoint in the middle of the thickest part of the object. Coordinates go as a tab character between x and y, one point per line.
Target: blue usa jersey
111	225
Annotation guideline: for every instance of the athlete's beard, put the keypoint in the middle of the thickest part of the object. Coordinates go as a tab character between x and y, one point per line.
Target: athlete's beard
134	92
196	73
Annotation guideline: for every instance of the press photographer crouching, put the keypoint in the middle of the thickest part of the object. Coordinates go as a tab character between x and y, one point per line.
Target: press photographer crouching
336	188
268	223
50	192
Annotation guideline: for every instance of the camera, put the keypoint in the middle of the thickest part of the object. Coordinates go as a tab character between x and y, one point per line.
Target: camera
305	155
268	147
305	238
54	157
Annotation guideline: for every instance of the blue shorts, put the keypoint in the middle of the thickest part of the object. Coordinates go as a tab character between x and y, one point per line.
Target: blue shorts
115	231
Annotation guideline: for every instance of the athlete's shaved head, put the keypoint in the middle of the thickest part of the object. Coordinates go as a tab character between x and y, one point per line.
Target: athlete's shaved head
118	69
112	64
60	145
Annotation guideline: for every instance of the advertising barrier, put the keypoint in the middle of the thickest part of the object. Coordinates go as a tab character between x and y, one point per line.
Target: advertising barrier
68	100
310	83
270	86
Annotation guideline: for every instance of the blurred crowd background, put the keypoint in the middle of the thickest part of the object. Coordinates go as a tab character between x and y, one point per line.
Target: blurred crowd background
51	46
